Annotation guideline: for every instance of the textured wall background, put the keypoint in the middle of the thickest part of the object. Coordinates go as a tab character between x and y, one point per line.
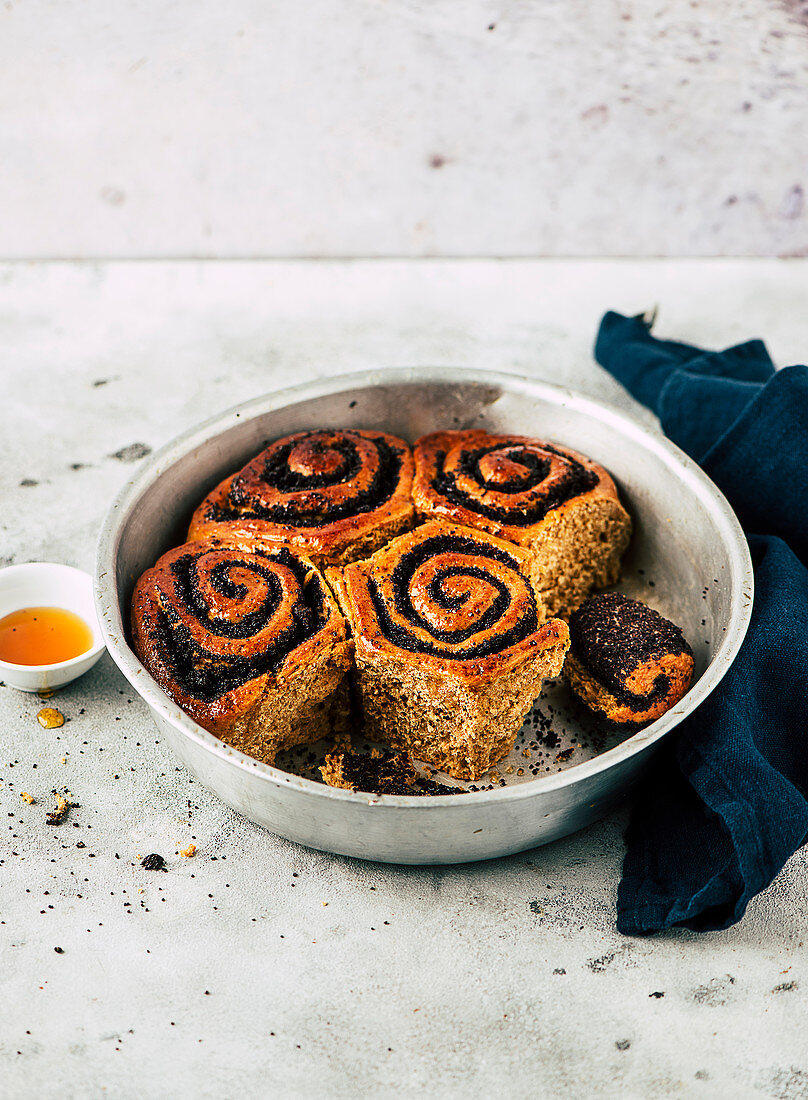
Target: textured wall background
403	127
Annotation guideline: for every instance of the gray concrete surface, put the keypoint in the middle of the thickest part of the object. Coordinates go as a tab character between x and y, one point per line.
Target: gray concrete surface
257	968
403	127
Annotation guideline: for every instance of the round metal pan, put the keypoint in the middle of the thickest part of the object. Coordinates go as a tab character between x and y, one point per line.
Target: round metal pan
688	558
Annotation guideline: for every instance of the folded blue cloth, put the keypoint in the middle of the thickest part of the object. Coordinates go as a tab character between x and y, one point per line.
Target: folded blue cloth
728	804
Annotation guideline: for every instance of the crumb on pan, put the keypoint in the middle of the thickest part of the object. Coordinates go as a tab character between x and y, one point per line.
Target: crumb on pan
379	772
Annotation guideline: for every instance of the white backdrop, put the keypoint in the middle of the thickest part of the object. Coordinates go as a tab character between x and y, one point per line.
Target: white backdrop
402	128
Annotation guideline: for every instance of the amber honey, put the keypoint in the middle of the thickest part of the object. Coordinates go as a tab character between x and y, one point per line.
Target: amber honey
43	636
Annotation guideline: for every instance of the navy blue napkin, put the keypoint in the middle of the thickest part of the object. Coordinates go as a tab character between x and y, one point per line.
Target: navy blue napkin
728	803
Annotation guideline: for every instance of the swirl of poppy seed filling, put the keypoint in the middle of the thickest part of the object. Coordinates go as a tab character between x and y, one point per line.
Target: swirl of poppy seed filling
537	503
206	675
322	510
478	552
612	635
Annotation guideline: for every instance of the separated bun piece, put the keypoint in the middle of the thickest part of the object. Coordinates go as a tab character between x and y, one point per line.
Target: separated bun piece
627	663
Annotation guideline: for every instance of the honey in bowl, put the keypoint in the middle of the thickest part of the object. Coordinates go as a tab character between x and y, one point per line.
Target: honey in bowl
43	636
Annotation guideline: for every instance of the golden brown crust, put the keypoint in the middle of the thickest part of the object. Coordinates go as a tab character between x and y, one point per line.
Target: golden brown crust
627	662
335	495
451	649
232	634
500	481
425	602
677	670
545	497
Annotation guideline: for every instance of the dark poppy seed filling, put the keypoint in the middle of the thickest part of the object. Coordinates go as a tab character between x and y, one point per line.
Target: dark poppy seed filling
197	668
388	772
328	492
530	470
187	587
535	468
395	630
278	474
612	635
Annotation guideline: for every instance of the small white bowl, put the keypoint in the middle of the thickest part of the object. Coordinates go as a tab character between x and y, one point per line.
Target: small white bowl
45	584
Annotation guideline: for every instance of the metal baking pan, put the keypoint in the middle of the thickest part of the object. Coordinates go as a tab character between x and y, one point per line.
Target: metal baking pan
688	558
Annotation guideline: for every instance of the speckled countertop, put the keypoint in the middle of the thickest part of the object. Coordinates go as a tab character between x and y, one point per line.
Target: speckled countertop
258	968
